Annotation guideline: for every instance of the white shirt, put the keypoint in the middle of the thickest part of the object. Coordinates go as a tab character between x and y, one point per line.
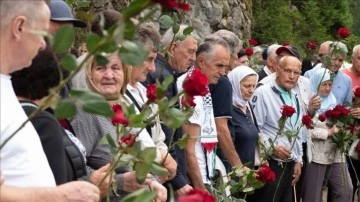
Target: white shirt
197	118
22	160
157	137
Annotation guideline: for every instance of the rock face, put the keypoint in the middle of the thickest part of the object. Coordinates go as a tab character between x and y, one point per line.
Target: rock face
206	16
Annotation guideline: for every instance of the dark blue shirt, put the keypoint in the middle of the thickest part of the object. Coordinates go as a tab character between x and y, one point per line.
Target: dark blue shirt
246	135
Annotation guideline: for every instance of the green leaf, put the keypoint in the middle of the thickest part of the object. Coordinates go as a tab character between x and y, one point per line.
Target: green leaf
135	8
68	62
64	38
165	22
141	169
176	28
149	154
91	41
133	53
108	140
183	141
157	169
188	30
173	118
140	195
65	108
101	60
92	103
129	29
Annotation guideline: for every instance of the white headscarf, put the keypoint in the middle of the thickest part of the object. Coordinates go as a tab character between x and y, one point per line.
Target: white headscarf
329	101
236	76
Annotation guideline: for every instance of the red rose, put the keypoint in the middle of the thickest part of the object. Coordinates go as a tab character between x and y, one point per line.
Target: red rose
197	195
118	117
307	121
286	43
196	84
322	117
343	111
265	174
287	111
173	4
129	140
253	42
344	32
249	51
329	113
311	45
336	114
188	101
357	148
357	92
151	92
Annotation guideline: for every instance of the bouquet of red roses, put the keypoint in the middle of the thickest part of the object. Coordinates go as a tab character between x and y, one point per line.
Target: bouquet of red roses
341	117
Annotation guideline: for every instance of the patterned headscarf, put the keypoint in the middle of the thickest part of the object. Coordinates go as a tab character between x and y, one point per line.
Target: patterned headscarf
236	76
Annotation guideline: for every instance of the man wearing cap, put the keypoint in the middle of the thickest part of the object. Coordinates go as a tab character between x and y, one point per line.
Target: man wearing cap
323	50
285	158
61	15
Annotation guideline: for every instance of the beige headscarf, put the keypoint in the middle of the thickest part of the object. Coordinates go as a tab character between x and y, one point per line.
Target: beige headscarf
109	97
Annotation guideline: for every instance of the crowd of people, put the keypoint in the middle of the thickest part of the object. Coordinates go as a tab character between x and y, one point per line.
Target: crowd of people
63	159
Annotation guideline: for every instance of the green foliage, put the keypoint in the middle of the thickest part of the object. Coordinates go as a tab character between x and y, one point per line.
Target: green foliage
133	53
140	195
63	39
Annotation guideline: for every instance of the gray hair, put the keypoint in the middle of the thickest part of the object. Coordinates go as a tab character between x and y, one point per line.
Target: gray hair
11	9
271	51
230	37
207	48
168	37
339	46
148	35
355	49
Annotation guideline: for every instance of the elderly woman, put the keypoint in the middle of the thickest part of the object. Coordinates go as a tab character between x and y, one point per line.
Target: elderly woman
325	161
110	81
243	80
64	152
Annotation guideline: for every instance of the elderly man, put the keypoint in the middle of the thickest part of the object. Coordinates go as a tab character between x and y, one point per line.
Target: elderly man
271	62
354	73
213	61
285	156
181	56
323	50
221	95
23	162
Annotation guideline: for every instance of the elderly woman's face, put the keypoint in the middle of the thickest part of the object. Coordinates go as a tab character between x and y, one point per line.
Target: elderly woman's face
108	79
247	87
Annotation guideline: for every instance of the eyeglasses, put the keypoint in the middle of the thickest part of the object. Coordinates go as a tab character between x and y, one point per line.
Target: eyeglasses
290	72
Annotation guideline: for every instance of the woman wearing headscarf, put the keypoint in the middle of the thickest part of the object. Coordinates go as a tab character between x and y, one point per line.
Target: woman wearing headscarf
326	163
246	133
110	81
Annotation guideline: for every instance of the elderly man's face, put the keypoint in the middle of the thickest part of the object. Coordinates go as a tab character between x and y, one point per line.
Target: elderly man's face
337	62
215	66
288	72
356	61
184	54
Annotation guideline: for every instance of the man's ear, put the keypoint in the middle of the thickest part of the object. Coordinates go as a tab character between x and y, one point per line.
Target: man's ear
200	61
172	48
17	27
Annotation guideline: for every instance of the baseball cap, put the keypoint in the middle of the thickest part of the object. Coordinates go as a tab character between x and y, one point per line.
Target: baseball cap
290	49
61	12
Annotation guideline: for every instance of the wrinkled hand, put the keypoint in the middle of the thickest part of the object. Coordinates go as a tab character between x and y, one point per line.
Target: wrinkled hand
282	152
98	175
79	191
296	174
355	112
333	130
314	104
170	165
183	190
130	183
161	192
